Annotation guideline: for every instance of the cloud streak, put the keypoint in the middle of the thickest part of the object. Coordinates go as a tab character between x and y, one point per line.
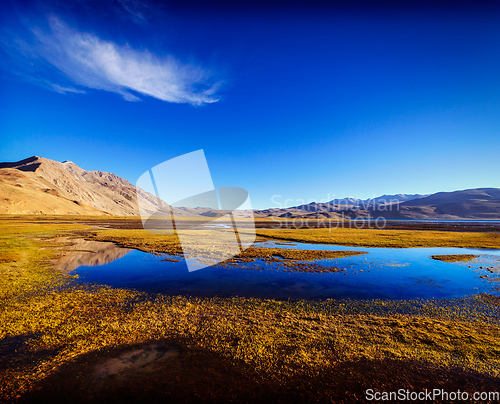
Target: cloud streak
103	65
135	9
63	90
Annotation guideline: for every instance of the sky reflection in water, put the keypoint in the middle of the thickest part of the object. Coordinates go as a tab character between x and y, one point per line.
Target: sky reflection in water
383	273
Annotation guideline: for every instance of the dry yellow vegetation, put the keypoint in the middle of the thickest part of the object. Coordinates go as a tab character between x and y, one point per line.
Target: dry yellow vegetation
385	238
51	320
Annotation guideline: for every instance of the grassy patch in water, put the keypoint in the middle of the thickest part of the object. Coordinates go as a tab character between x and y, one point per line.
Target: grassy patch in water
296	254
291	260
454	257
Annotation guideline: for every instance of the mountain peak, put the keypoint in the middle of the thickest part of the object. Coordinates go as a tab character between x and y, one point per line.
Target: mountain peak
40	185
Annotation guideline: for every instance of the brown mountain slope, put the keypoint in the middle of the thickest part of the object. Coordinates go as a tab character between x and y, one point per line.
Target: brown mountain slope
25	193
38	185
479	203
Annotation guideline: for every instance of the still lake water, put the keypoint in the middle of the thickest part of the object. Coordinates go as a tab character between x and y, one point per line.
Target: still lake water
382	273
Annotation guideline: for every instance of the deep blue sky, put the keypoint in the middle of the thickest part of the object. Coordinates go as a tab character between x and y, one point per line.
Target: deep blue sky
305	102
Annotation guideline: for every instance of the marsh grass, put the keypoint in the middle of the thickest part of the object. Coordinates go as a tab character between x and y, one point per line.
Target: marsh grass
291	260
296	254
385	238
47	319
454	257
139	239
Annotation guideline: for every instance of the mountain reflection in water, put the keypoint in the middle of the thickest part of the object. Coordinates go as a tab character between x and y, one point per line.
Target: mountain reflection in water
87	253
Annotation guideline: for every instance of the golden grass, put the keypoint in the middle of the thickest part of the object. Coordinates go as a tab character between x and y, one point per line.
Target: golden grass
58	320
291	260
13	227
454	257
385	238
138	239
295	254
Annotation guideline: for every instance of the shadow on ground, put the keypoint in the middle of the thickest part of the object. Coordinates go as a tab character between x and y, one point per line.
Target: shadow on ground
162	373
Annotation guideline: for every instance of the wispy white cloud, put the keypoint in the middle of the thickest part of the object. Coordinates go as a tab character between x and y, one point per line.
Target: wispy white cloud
63	90
104	65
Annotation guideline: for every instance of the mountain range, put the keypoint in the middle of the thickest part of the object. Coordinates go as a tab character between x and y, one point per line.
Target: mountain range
384	199
479	203
37	185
